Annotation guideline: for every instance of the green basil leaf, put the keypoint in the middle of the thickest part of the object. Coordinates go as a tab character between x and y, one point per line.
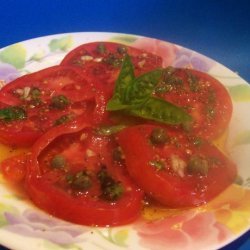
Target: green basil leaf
143	86
162	111
125	79
133	95
12	113
115	104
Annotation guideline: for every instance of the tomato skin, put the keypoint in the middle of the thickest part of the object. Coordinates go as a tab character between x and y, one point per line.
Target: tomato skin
14	168
64	80
41	116
170	187
40	185
62	205
104	67
204	98
23	139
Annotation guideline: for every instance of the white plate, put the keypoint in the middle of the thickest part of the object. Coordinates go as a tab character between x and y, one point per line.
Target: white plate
22	226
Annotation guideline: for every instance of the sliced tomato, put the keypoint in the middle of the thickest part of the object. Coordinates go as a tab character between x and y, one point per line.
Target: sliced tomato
173	168
65	177
202	96
60	80
47	98
101	62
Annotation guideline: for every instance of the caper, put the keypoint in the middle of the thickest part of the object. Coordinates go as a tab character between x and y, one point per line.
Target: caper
35	93
169	70
79	181
158	136
193	82
60	102
63	119
198	165
111	189
112	192
58	161
122	50
111	59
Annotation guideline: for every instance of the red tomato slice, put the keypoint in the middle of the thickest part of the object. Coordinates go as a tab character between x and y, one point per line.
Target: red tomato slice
203	97
48	97
101	62
178	171
60	80
64	178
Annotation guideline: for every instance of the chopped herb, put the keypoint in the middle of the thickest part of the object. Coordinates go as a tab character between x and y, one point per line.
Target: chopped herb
169	78
193	82
63	119
198	165
101	48
197	141
112	192
157	164
158	136
111	59
80	181
60	102
35	93
111	189
122	50
58	161
12	113
210	112
174	81
117	154
169	71
109	130
211	97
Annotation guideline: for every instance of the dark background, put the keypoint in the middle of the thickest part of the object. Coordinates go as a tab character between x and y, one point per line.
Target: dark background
216	28
219	29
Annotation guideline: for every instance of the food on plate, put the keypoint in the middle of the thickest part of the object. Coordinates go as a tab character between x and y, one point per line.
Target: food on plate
103	61
174	168
34	103
76	177
202	96
109	128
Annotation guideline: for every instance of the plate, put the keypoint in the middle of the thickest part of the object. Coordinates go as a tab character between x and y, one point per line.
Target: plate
212	226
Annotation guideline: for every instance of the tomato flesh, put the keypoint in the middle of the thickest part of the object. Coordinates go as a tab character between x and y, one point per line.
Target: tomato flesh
101	62
202	96
83	150
174	185
34	93
80	175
